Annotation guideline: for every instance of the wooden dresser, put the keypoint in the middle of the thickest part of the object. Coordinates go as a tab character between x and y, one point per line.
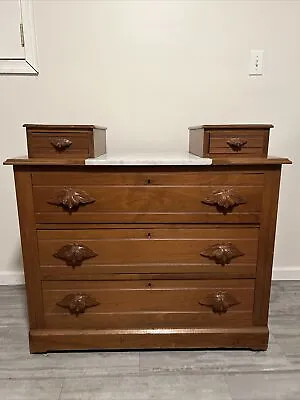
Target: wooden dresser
147	256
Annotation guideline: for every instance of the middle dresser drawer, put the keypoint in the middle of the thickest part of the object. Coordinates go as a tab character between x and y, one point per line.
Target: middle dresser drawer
207	251
153	197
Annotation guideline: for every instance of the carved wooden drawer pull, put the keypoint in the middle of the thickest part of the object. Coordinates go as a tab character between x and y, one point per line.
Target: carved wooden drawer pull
222	253
236	143
224	199
61	144
71	199
77	303
220	301
73	254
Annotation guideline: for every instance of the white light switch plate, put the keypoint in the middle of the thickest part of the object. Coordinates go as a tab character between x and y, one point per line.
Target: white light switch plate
256	62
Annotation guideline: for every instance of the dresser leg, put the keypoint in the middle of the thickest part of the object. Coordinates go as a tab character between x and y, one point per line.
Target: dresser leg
260	348
36	346
263	343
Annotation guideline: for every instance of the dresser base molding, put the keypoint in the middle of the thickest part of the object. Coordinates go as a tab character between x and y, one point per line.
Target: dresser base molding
42	341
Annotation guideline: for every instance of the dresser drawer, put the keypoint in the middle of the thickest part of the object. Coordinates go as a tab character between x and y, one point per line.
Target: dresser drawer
229	140
147	304
89	254
147	197
59	145
243	143
145	176
65	141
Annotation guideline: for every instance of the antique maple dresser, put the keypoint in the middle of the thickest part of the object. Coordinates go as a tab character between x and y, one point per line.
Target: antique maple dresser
137	253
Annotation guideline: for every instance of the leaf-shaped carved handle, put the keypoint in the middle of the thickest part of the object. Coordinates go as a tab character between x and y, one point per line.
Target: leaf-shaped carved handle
222	253
71	199
224	199
219	301
77	303
74	254
61	144
236	143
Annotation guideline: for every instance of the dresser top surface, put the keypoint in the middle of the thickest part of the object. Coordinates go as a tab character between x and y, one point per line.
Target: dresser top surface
233	126
155	158
47	127
150	159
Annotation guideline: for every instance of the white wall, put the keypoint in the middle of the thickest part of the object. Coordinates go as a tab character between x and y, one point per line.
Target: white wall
147	71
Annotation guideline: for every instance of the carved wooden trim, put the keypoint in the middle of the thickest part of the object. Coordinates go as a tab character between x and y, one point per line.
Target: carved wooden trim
224	199
71	199
219	302
74	253
61	144
77	303
236	143
222	253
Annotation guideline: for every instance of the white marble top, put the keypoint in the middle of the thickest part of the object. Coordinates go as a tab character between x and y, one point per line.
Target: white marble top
183	158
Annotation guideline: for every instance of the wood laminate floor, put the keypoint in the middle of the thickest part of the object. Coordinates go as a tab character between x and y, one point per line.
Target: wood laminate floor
161	375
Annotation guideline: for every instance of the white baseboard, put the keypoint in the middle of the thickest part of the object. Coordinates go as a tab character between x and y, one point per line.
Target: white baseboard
11	278
286	274
279	274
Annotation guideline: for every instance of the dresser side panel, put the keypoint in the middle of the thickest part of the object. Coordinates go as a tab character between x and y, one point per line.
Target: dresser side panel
266	245
99	142
198	142
29	242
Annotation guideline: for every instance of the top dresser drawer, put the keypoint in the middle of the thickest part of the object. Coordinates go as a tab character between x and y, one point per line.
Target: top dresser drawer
229	140
147	197
244	143
65	141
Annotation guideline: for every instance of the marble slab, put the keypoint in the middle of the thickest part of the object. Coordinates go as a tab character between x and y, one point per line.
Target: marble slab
183	158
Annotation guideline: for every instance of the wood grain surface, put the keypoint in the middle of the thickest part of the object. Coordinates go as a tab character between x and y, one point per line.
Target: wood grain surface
148	304
148	251
160	265
149	197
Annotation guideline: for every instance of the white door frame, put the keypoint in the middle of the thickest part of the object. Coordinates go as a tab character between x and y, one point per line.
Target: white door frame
29	64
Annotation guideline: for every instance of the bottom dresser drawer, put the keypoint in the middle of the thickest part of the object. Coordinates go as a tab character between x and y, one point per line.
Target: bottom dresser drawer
148	304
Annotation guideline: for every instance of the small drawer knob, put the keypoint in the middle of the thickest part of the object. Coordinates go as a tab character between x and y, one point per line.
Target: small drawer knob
236	143
222	253
74	254
71	199
77	303
61	144
219	301
224	199
148	182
